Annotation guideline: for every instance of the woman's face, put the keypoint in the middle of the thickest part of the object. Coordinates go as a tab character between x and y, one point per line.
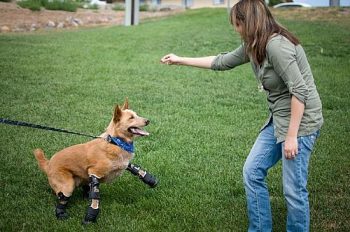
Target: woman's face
238	28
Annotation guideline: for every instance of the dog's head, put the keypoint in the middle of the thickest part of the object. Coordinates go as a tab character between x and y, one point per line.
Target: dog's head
126	123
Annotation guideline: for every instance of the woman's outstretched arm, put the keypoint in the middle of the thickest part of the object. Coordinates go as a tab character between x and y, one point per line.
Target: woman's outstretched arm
199	62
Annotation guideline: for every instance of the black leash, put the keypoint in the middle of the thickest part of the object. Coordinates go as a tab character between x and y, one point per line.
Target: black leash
36	126
136	170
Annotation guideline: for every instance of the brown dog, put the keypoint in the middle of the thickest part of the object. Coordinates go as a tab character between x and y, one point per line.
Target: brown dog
99	160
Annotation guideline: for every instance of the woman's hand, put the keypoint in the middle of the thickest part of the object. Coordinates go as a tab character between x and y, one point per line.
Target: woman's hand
290	147
291	142
170	59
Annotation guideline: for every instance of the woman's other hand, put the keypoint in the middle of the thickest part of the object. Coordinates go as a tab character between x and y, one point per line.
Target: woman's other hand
170	59
290	147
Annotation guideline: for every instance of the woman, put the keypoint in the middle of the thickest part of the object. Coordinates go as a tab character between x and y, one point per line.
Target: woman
281	66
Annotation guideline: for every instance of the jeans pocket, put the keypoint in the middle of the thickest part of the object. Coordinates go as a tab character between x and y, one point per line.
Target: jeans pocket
308	141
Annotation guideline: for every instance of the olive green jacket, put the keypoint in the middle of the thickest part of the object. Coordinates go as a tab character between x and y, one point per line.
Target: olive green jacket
284	72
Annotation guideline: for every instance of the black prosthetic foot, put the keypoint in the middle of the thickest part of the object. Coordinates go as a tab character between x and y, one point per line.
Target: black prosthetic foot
61	213
91	216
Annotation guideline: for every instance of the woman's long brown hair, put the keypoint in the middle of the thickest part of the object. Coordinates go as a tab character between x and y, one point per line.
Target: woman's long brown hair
257	25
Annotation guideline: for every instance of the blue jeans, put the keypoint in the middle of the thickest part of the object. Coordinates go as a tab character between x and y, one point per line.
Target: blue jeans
264	155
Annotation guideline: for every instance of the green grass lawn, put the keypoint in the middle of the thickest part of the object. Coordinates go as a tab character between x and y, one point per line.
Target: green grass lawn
203	124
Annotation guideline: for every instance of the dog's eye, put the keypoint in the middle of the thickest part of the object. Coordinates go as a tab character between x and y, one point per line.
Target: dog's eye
131	117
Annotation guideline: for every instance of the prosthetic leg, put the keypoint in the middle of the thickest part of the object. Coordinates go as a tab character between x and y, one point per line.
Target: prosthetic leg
61	206
94	196
146	177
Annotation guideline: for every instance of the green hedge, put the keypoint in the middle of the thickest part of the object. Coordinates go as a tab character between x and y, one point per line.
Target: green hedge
274	2
35	5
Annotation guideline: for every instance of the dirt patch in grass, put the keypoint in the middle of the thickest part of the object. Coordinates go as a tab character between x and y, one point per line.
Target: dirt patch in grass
13	18
331	14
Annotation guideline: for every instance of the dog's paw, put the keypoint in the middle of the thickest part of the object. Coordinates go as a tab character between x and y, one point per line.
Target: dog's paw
62	215
91	216
88	220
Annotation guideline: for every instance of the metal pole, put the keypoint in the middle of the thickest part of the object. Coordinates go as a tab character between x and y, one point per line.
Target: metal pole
136	12
132	8
127	16
132	12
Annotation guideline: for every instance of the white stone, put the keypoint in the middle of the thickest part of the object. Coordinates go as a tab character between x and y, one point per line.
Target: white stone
5	29
60	25
50	24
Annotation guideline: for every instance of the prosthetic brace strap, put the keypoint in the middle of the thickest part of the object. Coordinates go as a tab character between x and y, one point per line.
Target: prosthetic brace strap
94	188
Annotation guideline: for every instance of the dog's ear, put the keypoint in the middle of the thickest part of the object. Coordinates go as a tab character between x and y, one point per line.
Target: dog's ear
117	114
126	104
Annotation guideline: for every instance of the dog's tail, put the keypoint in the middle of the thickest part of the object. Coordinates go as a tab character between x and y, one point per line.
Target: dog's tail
42	161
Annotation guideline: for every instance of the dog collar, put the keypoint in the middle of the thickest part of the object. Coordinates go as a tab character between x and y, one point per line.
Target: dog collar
129	147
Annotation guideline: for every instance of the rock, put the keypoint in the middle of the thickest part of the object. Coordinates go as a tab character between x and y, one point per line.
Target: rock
5	29
50	24
103	20
60	25
19	29
78	21
69	19
74	24
34	27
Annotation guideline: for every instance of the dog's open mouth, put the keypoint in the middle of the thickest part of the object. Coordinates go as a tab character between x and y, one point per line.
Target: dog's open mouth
138	131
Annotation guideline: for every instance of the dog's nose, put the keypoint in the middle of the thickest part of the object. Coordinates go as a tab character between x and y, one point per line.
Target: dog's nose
147	122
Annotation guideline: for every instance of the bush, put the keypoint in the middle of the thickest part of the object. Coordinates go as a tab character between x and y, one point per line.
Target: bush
144	7
64	5
274	2
118	7
35	5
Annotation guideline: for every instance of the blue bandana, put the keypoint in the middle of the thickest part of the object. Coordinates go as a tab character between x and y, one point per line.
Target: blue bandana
129	147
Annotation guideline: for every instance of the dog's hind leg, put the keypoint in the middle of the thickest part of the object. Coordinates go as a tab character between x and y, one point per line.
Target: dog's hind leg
94	196
64	188
61	206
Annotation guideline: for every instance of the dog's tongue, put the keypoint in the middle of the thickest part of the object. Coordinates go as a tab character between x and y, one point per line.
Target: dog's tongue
138	131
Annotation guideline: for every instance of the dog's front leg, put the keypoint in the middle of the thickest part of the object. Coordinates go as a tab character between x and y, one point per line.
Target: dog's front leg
94	196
